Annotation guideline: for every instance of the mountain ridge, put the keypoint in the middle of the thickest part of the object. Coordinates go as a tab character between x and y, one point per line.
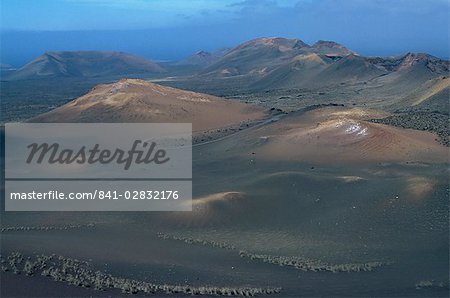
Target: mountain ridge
85	64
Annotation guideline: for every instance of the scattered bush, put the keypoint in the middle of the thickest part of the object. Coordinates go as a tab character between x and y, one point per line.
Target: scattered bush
426	284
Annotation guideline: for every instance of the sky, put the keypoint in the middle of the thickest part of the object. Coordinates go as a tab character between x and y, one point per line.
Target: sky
172	29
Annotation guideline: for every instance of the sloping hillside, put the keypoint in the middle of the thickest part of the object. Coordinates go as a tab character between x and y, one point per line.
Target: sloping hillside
84	64
131	100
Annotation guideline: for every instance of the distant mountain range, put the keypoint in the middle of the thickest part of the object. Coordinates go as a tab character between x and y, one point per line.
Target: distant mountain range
287	63
84	64
266	64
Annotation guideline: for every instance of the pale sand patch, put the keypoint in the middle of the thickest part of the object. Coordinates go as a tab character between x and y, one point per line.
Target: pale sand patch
209	209
349	179
221	196
420	187
434	89
284	173
355	113
309	57
117	99
193	99
345	179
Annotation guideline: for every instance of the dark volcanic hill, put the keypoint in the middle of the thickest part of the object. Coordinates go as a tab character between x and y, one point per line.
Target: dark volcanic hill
256	56
260	56
330	48
202	58
85	64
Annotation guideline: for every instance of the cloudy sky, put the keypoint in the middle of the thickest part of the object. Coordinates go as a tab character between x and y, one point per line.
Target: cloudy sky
172	29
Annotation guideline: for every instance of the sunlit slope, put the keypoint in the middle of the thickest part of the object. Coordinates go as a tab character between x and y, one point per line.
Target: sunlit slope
131	100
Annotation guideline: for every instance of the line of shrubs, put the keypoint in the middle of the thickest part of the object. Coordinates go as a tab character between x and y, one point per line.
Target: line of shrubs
81	274
46	228
296	262
190	240
311	265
